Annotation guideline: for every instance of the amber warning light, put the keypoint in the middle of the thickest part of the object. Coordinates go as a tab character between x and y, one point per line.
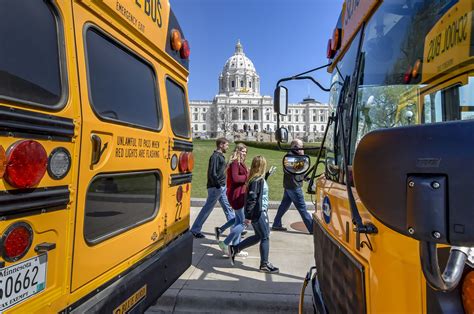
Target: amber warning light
178	43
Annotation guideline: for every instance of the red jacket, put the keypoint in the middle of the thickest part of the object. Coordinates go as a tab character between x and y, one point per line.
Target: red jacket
237	175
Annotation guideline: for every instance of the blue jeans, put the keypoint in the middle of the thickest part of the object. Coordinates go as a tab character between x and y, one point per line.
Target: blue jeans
297	197
262	235
234	235
213	195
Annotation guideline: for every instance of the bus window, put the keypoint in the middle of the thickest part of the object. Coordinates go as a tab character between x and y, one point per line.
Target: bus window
453	103
122	86
387	91
178	109
30	70
118	202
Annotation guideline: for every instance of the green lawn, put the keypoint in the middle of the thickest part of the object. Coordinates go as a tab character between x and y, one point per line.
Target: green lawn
203	150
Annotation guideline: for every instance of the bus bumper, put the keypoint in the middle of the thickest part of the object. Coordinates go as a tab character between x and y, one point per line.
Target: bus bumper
137	289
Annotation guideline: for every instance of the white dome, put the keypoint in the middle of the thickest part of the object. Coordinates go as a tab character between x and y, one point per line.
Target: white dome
239	75
238	62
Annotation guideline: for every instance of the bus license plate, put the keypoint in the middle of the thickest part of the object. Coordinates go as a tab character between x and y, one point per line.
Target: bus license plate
23	280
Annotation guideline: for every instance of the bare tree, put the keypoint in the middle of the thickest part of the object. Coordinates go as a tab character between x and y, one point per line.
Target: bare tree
225	121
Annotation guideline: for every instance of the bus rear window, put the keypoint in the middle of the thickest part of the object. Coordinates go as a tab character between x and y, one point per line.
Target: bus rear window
118	202
178	109
29	53
122	86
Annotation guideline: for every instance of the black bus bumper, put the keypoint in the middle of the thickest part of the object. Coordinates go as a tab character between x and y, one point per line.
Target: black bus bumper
138	288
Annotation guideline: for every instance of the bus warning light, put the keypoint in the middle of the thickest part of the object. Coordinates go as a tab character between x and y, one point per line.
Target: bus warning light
185	50
416	69
183	162
176	42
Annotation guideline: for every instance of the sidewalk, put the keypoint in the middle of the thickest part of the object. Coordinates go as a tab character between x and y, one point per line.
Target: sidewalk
213	285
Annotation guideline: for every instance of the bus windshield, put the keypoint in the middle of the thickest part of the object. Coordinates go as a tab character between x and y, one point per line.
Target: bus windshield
391	63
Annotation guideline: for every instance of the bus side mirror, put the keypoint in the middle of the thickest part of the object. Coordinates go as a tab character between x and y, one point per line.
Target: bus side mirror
281	135
281	100
296	164
417	180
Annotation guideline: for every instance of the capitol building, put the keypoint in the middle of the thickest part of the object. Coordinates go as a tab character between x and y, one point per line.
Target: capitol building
238	111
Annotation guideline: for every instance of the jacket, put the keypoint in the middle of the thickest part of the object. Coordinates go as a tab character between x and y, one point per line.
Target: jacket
237	175
292	181
216	170
253	200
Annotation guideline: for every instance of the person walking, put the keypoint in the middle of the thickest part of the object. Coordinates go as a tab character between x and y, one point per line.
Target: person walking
256	212
293	193
237	175
216	189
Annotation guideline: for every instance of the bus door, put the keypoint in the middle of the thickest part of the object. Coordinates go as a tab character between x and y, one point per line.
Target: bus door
122	151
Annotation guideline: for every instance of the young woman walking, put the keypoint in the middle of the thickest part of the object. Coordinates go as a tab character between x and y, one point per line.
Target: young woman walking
256	210
237	175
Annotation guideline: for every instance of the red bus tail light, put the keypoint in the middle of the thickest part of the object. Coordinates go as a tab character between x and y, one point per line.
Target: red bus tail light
26	164
3	161
16	241
183	162
179	194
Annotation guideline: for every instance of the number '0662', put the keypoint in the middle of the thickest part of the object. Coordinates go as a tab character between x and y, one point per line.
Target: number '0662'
152	8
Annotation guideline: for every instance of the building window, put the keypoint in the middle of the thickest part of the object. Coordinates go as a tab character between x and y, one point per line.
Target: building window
203	116
195	116
250	84
195	127
204	127
245	114
321	118
177	108
268	127
322	128
255	114
267	117
304	128
235	114
297	128
296	118
289	118
241	83
314	118
233	84
314	128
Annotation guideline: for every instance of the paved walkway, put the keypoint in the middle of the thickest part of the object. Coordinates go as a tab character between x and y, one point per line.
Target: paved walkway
213	285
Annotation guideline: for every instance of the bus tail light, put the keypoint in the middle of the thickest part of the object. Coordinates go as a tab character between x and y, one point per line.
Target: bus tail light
407	75
336	39
468	292
185	50
26	164
183	162
176	42
329	52
3	161
179	194
16	241
416	69
190	162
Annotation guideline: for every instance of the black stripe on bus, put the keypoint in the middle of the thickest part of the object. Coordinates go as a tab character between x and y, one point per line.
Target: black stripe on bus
182	145
30	201
177	179
21	123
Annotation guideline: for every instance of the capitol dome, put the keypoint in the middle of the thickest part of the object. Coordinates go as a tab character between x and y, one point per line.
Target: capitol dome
239	75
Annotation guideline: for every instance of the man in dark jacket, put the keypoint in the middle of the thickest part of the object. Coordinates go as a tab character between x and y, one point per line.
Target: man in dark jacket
216	189
293	193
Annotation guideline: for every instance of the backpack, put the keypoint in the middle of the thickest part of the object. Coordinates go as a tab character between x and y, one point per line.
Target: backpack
253	200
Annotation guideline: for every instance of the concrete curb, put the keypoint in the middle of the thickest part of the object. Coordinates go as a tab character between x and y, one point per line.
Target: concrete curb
199	202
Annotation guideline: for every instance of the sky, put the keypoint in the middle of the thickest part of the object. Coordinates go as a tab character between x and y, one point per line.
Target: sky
281	37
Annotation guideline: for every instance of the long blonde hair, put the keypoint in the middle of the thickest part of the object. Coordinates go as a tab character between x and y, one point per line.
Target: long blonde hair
236	155
257	170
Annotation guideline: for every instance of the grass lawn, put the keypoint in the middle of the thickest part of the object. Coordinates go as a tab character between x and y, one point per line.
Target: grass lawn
203	150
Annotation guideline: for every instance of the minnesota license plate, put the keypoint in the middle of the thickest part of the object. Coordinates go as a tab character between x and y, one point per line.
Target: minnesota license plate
22	281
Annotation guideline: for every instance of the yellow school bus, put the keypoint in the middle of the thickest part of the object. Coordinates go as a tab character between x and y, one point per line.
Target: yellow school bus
95	155
392	224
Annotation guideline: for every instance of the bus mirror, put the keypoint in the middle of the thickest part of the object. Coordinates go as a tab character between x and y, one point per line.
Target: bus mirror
416	181
281	135
281	100
296	164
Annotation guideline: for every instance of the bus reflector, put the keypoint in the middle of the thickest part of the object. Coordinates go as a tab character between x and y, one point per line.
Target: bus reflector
3	161
26	164
179	194
185	50
174	162
16	241
176	40
190	162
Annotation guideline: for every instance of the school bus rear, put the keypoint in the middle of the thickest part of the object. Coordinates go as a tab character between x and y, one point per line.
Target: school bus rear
95	154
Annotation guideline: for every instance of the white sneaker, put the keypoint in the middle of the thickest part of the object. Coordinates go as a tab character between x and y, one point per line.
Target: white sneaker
242	254
223	247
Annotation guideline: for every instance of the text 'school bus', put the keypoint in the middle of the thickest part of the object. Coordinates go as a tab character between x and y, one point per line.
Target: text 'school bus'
394	220
95	155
